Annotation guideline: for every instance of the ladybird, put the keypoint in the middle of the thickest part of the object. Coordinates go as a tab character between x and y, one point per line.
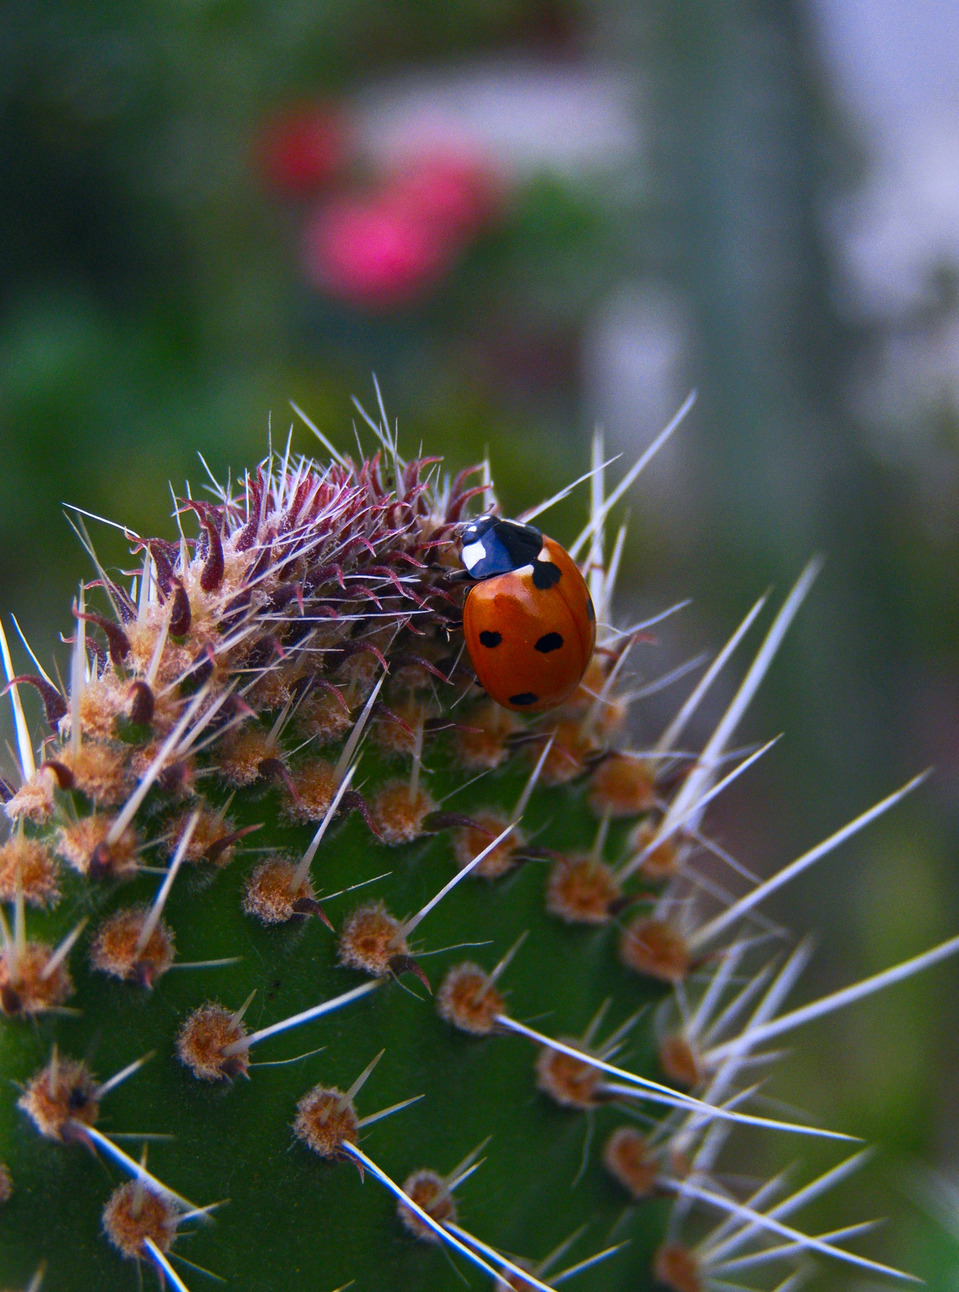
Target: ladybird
528	620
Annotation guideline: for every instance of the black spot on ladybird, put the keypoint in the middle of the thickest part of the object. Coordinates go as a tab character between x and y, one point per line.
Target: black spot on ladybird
490	639
524	697
545	574
548	642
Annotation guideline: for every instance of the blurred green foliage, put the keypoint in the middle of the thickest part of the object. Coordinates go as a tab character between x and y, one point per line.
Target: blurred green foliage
151	306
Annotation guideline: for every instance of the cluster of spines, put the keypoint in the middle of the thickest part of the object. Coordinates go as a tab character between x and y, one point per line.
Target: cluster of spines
323	599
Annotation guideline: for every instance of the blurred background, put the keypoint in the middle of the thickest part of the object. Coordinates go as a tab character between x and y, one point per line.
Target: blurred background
527	217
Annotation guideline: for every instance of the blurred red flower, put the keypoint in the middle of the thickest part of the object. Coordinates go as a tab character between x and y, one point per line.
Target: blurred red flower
457	191
375	253
302	148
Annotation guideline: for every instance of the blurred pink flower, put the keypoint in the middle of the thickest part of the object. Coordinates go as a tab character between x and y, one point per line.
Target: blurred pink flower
457	191
375	253
302	147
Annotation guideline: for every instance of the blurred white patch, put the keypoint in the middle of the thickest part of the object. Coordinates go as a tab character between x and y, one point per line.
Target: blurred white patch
895	74
636	361
524	114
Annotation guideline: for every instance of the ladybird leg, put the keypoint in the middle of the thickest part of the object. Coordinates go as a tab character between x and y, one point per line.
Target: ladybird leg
456	577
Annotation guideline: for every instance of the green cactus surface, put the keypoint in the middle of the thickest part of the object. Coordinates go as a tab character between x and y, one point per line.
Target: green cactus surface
296	917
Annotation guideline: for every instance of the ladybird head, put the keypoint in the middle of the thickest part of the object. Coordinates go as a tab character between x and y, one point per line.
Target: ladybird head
491	545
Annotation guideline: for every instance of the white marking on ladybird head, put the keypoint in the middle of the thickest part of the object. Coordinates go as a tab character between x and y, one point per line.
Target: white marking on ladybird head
471	555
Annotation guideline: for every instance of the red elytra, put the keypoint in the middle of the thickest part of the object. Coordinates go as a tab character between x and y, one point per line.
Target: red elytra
530	645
